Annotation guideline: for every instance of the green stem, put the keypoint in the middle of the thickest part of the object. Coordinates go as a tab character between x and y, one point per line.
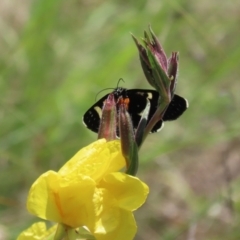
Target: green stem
156	117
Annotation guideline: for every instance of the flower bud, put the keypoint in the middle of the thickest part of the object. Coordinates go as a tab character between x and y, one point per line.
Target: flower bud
108	124
173	71
154	64
128	144
161	74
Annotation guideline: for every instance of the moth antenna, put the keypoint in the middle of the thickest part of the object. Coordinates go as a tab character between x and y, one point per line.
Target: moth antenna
120	79
102	91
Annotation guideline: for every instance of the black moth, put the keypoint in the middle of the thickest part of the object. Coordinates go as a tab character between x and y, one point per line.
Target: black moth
137	103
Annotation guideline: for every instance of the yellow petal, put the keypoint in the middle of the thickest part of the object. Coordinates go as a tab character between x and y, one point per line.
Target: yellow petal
111	222
95	160
117	159
125	230
57	199
41	199
76	202
106	211
37	231
91	161
129	191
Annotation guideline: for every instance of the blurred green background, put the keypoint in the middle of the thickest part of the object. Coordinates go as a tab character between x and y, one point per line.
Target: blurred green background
55	56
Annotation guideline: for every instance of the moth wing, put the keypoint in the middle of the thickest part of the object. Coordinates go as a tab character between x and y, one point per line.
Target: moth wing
176	108
138	101
92	117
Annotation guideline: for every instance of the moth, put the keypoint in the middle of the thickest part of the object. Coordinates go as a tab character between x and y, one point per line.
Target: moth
136	105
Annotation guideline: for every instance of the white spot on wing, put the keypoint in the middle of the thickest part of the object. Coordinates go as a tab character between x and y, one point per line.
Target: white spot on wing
150	96
141	113
99	111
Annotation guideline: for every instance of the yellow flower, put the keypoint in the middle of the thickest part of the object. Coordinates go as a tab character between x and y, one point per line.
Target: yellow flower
37	231
89	191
